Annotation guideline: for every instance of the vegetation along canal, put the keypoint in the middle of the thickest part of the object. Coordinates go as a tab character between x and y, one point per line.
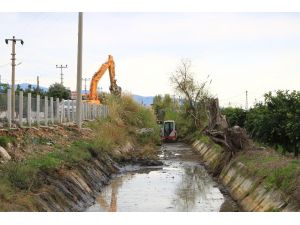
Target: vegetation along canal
180	184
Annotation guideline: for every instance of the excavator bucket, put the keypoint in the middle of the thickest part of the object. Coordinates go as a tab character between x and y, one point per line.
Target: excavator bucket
115	89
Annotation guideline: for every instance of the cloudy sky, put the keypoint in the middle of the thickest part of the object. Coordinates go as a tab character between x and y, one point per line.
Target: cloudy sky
258	52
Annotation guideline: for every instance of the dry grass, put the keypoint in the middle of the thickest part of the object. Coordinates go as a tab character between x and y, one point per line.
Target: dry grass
33	155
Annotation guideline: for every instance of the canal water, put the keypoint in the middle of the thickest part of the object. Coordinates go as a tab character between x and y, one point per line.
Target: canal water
181	184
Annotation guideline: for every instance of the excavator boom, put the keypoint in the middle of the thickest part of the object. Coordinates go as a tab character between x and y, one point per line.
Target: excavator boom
114	88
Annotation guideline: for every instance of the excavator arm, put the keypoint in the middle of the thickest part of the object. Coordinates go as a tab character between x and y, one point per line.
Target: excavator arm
114	88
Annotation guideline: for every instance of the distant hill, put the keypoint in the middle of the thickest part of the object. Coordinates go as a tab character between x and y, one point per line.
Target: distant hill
145	100
25	86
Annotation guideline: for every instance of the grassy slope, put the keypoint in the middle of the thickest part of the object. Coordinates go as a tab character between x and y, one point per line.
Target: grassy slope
276	171
279	171
19	179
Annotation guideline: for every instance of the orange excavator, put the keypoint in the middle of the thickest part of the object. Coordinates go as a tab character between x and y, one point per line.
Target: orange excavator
114	88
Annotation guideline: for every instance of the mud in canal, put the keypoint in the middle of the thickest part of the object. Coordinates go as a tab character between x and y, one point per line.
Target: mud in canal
181	184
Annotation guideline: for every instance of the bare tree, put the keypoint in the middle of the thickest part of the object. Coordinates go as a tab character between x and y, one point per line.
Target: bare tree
196	94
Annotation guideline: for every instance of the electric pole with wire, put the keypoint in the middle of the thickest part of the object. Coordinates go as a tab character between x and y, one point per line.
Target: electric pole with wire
13	72
37	84
79	71
61	67
85	80
246	103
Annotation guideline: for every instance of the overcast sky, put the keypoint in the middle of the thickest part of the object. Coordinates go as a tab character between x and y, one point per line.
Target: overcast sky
258	52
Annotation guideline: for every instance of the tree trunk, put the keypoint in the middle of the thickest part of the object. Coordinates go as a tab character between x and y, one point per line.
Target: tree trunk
296	150
232	139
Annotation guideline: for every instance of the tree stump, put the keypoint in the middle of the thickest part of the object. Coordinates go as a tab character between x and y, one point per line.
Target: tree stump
232	139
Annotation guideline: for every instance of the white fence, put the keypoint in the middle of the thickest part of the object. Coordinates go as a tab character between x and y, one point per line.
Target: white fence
45	111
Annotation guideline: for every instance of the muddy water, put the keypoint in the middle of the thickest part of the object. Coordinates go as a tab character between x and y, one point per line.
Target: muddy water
181	184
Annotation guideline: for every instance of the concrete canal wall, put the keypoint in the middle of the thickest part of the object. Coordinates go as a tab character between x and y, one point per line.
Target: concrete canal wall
249	191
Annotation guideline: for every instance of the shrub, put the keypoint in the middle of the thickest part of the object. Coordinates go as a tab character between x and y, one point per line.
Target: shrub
235	116
4	140
283	178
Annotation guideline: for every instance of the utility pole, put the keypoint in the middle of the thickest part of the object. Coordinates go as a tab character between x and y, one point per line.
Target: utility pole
246	104
37	84
85	80
61	67
79	71
13	73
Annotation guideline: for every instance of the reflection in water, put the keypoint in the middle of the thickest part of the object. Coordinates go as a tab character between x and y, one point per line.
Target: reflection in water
181	185
115	185
193	185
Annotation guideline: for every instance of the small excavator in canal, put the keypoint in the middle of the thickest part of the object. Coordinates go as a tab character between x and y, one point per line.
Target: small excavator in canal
114	88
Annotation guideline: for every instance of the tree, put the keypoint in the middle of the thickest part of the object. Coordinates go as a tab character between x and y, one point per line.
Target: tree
235	116
158	107
3	88
59	91
195	94
277	120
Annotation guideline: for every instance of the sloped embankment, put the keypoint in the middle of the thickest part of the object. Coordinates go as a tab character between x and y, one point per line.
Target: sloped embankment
62	168
249	190
74	189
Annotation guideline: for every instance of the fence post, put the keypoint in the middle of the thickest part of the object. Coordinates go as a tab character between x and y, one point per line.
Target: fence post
73	110
68	110
63	110
29	109
85	111
38	102
92	111
21	108
8	113
57	110
89	110
51	110
99	111
46	110
82	111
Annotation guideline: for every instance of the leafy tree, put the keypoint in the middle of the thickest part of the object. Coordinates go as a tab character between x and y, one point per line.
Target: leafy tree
195	94
235	116
18	89
158	107
165	107
59	91
277	120
3	88
37	91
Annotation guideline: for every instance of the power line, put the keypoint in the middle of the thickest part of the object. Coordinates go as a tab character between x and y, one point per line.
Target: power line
38	84
13	72
61	67
246	103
